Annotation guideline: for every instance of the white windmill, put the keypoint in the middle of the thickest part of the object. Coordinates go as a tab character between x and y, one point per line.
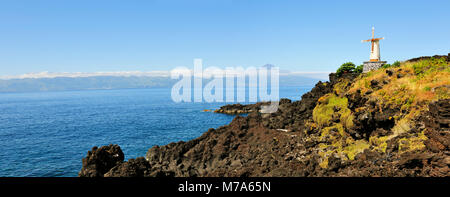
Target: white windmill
375	50
375	60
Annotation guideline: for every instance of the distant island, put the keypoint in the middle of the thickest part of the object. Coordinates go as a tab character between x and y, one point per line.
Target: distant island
109	81
393	121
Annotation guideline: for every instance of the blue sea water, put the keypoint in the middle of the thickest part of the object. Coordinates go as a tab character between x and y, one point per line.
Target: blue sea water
46	134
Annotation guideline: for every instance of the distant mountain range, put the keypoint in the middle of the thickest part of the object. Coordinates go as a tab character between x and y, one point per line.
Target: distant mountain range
79	81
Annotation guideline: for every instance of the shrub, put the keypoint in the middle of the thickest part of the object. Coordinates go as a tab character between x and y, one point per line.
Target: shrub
345	68
396	64
386	65
359	69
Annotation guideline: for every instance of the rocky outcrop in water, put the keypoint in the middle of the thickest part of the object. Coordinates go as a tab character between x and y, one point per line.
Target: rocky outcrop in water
235	109
99	161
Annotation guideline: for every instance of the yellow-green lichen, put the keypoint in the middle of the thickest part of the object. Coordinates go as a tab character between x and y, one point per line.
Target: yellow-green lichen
379	143
401	126
324	155
327	131
331	106
340	88
324	163
357	147
412	143
346	151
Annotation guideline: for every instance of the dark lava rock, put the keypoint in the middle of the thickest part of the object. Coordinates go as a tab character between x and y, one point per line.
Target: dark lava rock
437	122
440	111
429	57
236	109
389	72
412	160
138	167
98	161
334	163
375	84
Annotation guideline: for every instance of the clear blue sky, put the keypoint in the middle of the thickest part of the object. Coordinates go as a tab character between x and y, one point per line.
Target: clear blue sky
91	36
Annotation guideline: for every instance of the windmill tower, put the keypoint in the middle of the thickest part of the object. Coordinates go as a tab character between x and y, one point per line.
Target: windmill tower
375	60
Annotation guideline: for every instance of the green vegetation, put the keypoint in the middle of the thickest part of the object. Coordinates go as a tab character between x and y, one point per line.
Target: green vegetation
359	69
421	81
386	65
347	67
426	67
395	64
330	107
357	147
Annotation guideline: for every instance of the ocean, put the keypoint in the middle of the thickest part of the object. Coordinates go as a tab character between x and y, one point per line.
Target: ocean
46	134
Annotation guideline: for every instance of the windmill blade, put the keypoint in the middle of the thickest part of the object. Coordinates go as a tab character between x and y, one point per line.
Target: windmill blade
376	39
373	32
366	40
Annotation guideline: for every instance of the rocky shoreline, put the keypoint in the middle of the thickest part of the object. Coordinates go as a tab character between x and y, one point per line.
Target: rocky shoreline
360	137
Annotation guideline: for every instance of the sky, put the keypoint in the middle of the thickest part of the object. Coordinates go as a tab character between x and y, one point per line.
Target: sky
302	36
